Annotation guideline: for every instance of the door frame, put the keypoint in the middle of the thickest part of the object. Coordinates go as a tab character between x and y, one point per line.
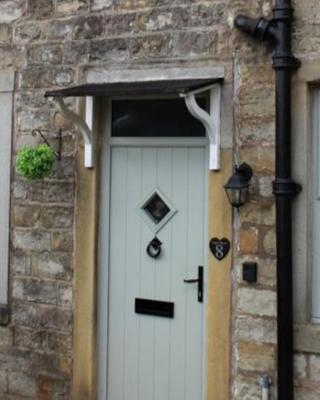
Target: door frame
107	142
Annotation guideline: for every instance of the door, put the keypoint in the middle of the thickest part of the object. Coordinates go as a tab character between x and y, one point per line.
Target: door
155	349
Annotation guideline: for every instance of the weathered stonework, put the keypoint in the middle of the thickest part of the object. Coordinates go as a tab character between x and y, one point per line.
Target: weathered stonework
53	43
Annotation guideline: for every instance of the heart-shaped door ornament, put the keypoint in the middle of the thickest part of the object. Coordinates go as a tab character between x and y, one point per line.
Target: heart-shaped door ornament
219	248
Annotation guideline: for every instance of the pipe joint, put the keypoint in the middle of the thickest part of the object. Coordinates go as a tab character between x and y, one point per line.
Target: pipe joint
260	28
285	61
286	188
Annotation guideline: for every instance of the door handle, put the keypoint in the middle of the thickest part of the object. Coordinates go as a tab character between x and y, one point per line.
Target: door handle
199	280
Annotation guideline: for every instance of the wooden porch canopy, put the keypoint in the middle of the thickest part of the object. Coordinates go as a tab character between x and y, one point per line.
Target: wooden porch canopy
156	87
187	88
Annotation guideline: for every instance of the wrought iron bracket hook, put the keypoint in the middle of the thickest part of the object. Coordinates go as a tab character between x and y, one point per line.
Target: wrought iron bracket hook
36	132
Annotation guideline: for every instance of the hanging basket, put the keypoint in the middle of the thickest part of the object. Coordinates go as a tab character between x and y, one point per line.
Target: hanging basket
35	162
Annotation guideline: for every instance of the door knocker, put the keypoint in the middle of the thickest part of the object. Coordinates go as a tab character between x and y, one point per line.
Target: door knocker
154	248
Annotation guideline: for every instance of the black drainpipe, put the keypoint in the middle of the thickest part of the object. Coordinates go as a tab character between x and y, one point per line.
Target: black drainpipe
278	32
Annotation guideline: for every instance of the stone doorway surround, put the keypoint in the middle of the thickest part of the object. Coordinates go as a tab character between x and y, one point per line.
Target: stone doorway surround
86	260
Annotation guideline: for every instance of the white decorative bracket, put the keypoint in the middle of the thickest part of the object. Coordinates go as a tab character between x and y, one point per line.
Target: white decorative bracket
210	120
84	126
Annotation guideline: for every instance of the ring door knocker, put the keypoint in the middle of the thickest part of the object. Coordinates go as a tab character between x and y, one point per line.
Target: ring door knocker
154	248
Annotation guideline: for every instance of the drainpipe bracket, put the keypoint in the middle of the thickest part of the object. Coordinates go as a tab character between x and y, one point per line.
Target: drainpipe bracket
286	188
285	61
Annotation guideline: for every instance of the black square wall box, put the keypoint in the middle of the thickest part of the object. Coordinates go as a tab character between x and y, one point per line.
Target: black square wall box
249	272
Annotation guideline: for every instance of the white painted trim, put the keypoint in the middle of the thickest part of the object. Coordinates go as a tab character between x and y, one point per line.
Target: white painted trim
159	142
104	240
100	75
6	107
210	120
155	228
84	126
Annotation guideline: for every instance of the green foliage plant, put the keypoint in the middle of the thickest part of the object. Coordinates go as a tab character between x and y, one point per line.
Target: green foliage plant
35	162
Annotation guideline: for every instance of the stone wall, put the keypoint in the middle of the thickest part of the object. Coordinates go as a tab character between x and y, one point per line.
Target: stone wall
53	43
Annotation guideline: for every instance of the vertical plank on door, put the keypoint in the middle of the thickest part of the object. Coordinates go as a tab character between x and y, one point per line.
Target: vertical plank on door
132	285
194	316
179	272
162	280
118	258
147	284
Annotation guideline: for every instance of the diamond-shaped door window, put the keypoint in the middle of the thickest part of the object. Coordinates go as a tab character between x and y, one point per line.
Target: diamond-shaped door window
156	210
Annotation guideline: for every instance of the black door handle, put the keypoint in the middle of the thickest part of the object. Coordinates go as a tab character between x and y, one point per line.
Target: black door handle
200	283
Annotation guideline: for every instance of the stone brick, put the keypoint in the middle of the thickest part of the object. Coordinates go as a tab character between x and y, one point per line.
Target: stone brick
57	217
20	264
300	366
71	6
115	50
98	5
6	336
123	24
28	32
257	302
39	77
35	119
59	342
256	357
26	215
148	47
246	387
52	265
89	27
5	33
34	290
49	385
22	384
163	19
30	339
248	241
65	295
60	29
256	330
31	99
314	361
44	54
33	240
10	56
307	393
50	192
65	168
260	212
269	242
207	14
265	186
15	360
40	8
76	52
3	381
10	10
267	271
53	364
37	316
62	241
194	44
261	158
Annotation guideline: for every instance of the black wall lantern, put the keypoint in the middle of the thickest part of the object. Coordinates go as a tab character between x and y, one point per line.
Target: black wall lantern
237	187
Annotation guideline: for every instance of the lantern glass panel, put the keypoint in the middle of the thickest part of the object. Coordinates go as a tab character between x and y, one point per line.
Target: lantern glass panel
243	195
